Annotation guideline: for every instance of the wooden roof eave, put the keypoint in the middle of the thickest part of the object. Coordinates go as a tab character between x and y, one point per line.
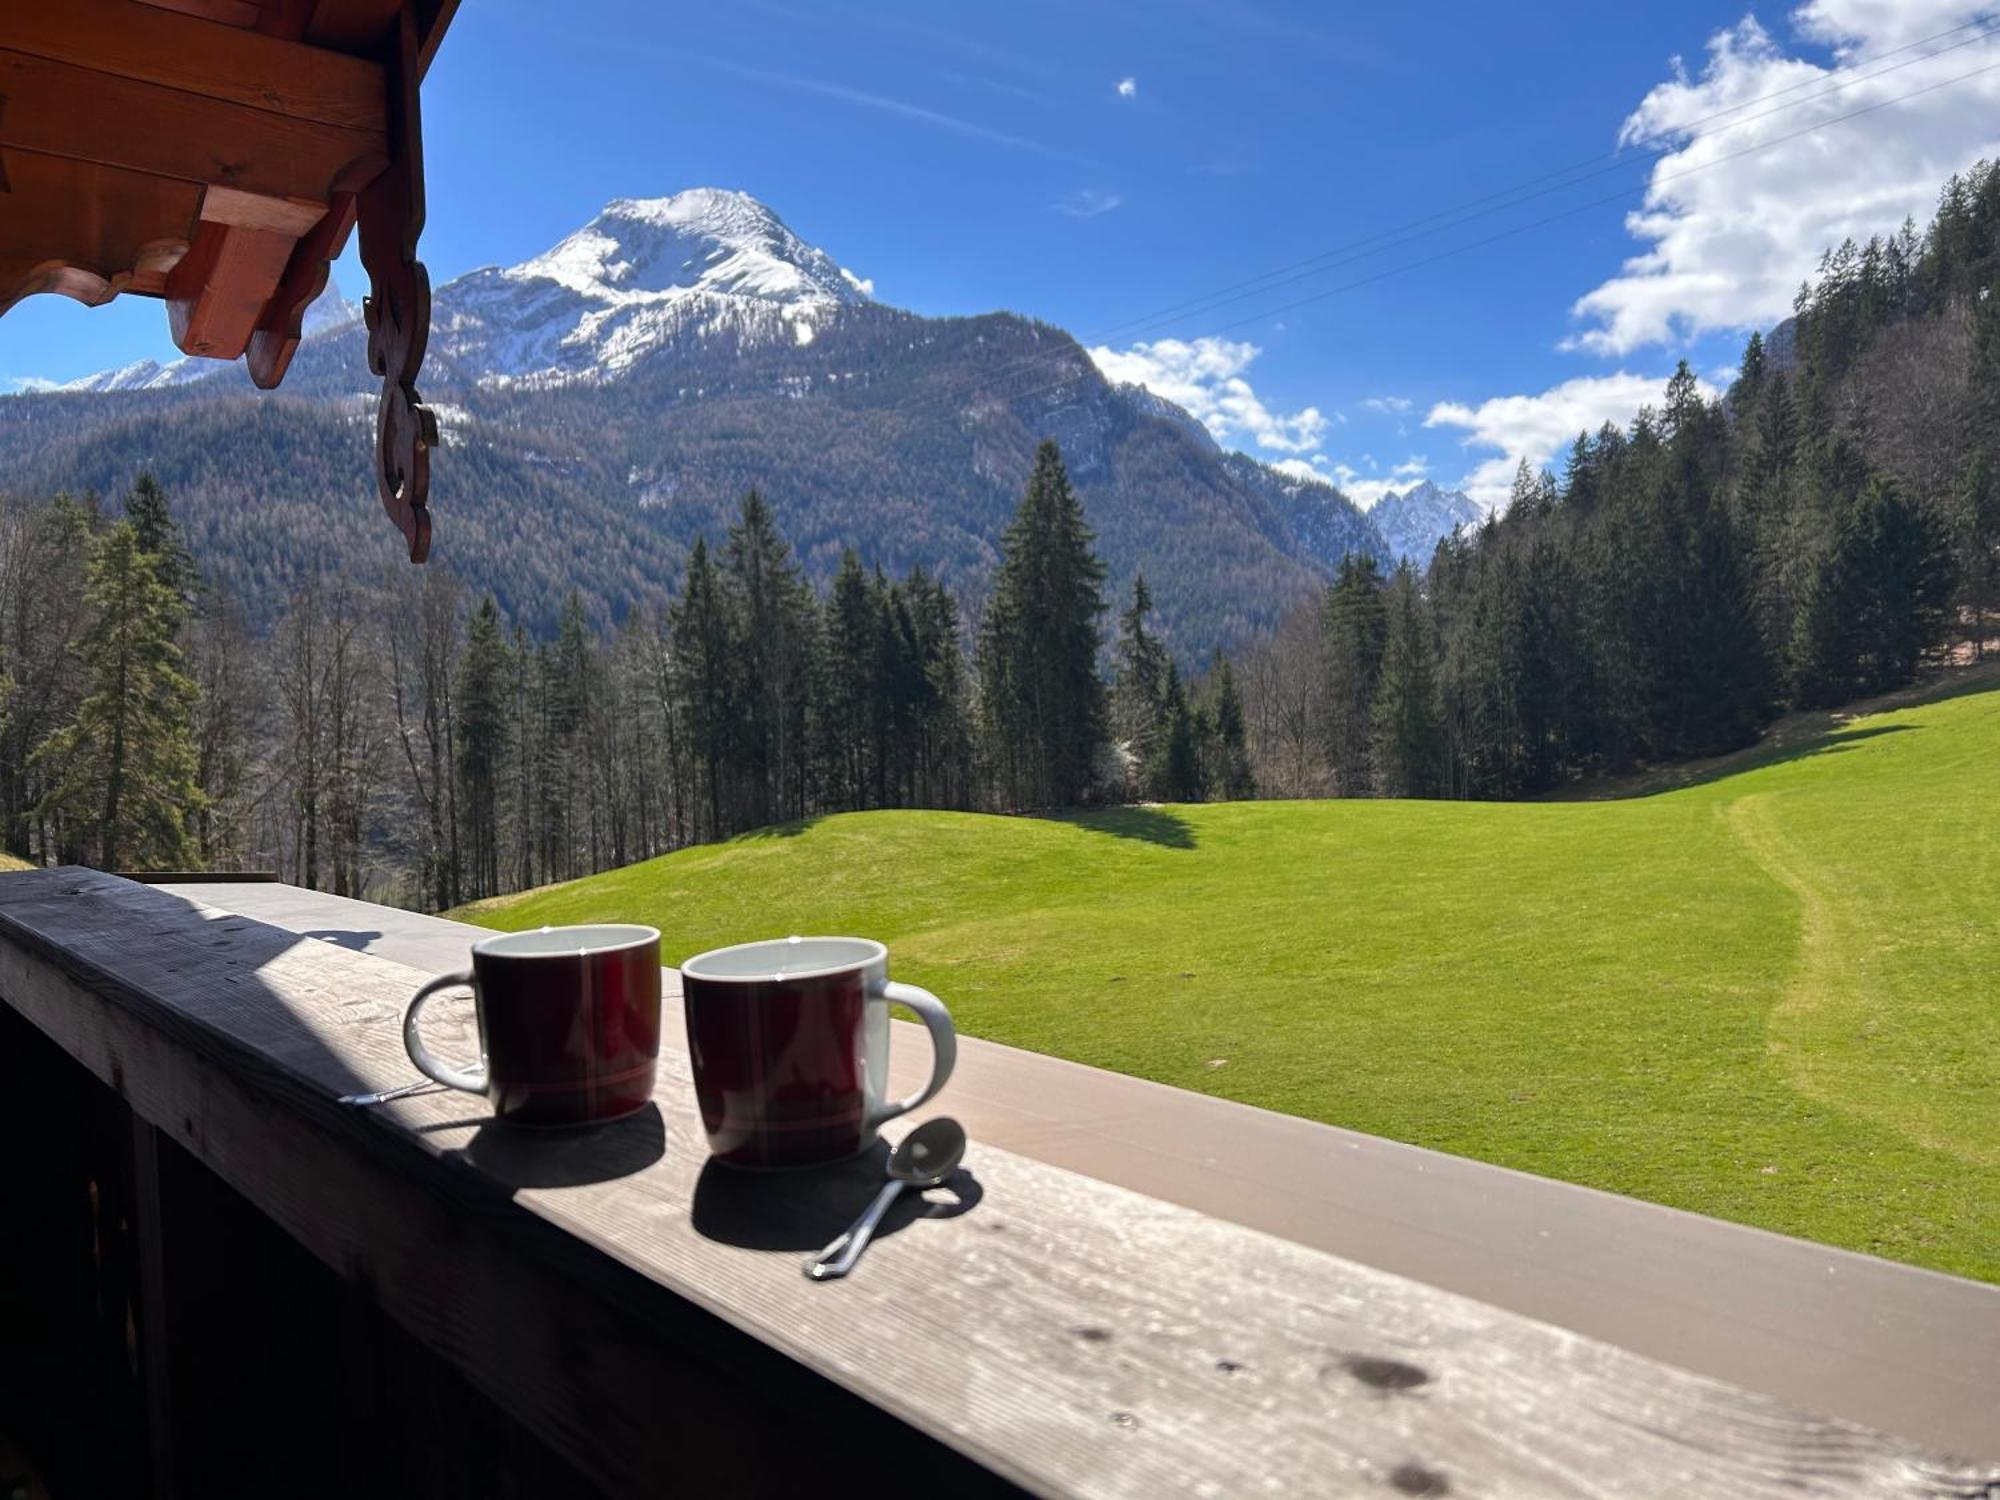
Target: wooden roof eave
216	154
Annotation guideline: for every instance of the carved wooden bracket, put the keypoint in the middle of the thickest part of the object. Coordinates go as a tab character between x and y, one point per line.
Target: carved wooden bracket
398	306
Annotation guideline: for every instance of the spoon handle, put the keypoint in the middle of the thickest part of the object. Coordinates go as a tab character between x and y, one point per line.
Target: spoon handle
838	1258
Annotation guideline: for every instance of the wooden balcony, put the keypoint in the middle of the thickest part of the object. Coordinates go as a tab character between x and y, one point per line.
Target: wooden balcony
217	1280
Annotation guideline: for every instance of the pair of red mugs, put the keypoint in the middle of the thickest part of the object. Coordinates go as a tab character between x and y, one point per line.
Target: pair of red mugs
789	1038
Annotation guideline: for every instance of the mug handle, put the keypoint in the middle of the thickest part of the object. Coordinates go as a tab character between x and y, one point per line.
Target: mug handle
472	1080
944	1046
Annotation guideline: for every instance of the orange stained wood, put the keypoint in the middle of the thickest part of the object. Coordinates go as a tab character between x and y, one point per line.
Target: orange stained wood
216	297
94	230
240	13
150	45
63	110
217	154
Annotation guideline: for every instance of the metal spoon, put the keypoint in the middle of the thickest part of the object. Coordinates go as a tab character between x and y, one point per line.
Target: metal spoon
927	1156
363	1101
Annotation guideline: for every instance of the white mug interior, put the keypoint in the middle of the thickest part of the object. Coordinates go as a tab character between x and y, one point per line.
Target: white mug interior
786	958
567	942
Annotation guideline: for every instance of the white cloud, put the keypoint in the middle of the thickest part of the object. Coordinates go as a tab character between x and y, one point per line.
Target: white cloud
1388	406
862	284
1299	468
1368	484
1127	87
1088	203
1731	235
1537	428
1205	376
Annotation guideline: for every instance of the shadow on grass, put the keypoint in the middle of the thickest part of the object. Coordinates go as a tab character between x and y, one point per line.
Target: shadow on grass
1151	825
775	831
1803	745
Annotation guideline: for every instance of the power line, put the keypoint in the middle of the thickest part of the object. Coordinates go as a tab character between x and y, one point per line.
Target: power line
1028	366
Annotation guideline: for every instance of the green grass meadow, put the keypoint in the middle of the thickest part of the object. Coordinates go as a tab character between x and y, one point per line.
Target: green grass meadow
1773	995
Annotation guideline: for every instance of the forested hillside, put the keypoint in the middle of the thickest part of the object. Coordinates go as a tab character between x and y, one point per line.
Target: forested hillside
1814	536
907	438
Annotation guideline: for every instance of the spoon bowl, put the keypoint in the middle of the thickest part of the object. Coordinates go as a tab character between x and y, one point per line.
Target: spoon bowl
927	1156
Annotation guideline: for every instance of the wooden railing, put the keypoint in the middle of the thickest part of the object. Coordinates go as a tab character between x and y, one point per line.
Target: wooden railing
278	1294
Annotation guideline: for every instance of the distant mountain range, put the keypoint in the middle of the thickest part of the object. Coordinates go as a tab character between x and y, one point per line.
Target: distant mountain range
607	401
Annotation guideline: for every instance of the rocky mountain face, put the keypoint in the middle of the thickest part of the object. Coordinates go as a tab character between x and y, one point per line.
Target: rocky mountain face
1414	522
608	401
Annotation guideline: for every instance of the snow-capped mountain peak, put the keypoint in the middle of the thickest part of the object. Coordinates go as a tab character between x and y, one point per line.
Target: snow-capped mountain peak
1414	522
643	273
706	239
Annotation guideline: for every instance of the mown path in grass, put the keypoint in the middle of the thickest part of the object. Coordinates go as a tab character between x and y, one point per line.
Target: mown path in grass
1769	995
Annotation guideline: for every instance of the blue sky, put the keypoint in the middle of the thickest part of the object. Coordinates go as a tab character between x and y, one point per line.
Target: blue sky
1101	164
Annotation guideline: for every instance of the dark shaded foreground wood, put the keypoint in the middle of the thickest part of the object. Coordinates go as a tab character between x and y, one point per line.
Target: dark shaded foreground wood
645	1316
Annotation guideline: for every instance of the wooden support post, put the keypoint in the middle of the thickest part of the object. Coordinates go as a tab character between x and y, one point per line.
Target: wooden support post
155	1363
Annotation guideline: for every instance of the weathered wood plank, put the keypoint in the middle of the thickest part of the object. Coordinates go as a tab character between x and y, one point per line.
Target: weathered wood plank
75	112
219	61
1067	1335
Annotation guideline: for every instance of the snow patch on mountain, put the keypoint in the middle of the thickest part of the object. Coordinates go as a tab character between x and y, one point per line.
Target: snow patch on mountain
140	375
702	265
1414	522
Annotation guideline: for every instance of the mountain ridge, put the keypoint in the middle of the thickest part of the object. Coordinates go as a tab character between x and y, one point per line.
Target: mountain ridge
607	401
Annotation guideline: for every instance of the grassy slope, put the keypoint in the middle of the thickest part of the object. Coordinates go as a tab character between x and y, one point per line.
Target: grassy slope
9	862
1769	996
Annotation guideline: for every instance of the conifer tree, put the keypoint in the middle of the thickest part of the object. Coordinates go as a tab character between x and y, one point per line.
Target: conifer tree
1138	695
484	725
159	535
123	771
1409	746
852	631
1043	699
702	654
1232	777
1355	629
1173	770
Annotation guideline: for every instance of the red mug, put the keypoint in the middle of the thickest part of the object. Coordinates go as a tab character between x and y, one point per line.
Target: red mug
790	1045
569	1023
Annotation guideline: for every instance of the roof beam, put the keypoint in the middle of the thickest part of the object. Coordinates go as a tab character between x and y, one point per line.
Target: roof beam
64	110
150	45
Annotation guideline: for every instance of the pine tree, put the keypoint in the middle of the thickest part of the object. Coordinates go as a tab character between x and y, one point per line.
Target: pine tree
159	534
1043	700
1976	548
852	630
1138	695
1173	769
770	633
1875	598
1355	629
1409	742
1232	777
123	771
485	723
703	655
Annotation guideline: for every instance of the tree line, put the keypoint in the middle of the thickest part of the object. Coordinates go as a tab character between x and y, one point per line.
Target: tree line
1815	535
1818	533
401	740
